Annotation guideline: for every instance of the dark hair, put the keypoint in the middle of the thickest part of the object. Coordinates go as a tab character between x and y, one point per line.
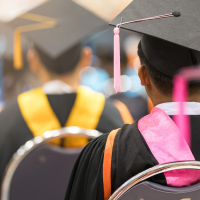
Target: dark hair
63	64
163	82
105	54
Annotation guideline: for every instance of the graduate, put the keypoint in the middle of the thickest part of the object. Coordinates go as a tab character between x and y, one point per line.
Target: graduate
57	57
171	40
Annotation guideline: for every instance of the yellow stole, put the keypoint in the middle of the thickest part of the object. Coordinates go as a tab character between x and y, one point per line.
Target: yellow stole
39	116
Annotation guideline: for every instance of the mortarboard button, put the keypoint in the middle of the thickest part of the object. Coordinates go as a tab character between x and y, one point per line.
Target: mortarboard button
176	13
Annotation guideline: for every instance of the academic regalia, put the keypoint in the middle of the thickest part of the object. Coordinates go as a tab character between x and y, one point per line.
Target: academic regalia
136	147
57	34
170	41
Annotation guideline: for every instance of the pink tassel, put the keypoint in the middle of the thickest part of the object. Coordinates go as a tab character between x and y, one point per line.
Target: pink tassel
180	95
117	73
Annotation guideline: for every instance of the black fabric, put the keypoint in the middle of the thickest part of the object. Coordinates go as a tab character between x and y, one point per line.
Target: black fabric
167	57
14	132
137	105
130	156
60	103
183	30
195	135
110	118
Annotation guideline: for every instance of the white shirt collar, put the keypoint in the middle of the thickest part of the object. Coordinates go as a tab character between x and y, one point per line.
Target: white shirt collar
171	108
57	87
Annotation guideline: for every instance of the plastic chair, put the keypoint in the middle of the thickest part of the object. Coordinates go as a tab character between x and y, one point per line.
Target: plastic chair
39	171
137	188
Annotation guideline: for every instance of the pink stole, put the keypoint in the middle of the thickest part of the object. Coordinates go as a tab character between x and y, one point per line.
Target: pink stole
163	138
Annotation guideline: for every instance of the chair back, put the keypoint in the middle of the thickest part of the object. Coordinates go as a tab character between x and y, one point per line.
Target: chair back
41	171
138	189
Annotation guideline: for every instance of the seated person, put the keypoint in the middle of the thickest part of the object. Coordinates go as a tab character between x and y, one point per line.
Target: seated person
138	106
110	160
60	102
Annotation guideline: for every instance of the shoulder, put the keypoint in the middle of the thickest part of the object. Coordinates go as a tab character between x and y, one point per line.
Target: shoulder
110	109
125	135
137	106
10	112
13	133
97	144
128	134
110	118
12	124
93	150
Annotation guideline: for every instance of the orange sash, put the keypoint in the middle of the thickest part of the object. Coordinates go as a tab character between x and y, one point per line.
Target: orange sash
149	105
107	164
124	112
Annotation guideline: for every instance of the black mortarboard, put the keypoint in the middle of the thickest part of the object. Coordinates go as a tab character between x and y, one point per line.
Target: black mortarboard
54	27
171	39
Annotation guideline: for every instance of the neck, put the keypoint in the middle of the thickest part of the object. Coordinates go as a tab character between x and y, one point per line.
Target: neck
158	99
72	79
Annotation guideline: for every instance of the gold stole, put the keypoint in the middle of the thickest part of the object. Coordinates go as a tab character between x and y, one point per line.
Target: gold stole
39	116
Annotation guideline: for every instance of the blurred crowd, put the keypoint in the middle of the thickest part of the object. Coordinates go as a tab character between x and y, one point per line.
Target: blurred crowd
98	76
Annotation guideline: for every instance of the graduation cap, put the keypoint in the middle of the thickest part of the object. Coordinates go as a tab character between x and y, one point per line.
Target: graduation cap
171	37
54	27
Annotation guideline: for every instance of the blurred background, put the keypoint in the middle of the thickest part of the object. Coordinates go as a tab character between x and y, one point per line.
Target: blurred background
98	76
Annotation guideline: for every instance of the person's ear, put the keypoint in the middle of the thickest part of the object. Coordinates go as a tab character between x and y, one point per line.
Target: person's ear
33	60
144	76
86	57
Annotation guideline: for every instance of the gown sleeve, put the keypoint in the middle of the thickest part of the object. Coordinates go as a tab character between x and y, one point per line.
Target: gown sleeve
13	133
86	180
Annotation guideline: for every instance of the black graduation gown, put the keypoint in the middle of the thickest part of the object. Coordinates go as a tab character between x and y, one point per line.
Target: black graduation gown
137	106
130	156
14	132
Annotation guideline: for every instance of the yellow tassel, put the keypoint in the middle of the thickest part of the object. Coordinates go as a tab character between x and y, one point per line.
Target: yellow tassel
18	62
45	23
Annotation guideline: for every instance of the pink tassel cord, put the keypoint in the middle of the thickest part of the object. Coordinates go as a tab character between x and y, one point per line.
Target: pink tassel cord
180	95
117	73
